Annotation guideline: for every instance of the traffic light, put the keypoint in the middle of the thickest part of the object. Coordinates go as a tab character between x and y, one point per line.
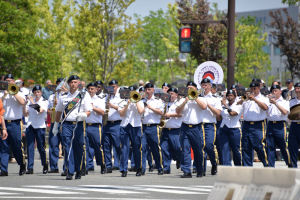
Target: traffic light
185	39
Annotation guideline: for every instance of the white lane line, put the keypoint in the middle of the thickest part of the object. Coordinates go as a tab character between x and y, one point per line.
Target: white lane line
94	188
38	190
204	186
191	188
7	193
170	191
83	198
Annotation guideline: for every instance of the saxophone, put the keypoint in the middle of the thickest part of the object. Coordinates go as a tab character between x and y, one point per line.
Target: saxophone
53	108
162	122
105	116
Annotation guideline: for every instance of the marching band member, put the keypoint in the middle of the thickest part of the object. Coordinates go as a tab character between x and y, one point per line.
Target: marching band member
36	110
75	106
153	110
253	129
131	131
13	105
3	135
209	121
230	130
294	137
111	131
192	132
94	126
277	126
165	87
54	140
170	143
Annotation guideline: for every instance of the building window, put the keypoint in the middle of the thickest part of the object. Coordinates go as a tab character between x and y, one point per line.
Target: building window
276	51
267	49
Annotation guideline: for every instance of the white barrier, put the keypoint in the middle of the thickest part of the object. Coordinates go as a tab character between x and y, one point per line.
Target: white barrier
247	183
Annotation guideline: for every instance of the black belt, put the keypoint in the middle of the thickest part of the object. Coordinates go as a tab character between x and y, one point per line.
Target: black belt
73	122
169	129
93	124
10	121
274	122
150	124
114	122
254	122
191	125
296	122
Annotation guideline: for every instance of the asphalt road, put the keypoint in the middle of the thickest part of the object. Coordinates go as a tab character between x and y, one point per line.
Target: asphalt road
96	186
107	186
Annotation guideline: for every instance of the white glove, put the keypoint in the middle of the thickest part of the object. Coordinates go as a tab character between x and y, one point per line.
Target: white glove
81	116
55	128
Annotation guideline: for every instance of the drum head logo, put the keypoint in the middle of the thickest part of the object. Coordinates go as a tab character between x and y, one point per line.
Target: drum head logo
211	70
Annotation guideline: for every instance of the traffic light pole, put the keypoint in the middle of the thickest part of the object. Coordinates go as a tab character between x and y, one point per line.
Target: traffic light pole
230	24
230	45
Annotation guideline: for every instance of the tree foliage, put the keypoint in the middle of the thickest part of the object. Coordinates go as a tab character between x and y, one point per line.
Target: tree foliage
287	38
102	33
207	39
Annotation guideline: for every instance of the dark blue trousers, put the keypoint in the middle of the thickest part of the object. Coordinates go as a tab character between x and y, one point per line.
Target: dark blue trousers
131	136
38	135
277	136
89	155
54	142
94	134
192	136
230	141
13	141
111	137
217	143
151	134
170	146
294	142
253	138
147	155
210	132
73	155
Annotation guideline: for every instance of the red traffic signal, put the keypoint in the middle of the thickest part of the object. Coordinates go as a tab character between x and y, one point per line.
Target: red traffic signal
185	33
185	39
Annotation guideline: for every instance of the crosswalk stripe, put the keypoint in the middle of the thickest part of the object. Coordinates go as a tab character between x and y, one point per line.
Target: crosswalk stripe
38	190
7	193
178	187
94	188
82	198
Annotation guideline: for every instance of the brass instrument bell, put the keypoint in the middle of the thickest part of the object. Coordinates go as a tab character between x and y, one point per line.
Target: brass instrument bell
13	89
135	96
192	94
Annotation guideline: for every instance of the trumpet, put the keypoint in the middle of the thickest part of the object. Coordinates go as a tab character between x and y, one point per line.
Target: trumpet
135	96
11	88
192	94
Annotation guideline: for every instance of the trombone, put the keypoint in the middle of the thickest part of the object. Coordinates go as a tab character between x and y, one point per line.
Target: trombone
192	94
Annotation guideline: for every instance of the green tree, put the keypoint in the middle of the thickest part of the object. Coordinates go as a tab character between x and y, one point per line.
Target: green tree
287	38
251	60
102	33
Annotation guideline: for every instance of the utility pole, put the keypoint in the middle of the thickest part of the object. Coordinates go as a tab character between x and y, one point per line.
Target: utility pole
230	46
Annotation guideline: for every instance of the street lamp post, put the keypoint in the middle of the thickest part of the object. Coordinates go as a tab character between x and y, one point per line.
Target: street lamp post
230	46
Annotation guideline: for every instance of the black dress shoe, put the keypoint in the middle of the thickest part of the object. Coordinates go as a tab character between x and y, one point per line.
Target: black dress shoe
132	169
177	164
45	169
167	172
78	175
69	176
109	170
3	173
115	168
103	169
82	172
29	171
22	170
138	172
64	173
91	169
143	173
186	175
194	171
203	173
151	169
200	174
124	174
160	172
214	170
52	171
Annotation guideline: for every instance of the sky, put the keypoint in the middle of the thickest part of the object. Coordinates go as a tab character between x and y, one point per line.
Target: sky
142	7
